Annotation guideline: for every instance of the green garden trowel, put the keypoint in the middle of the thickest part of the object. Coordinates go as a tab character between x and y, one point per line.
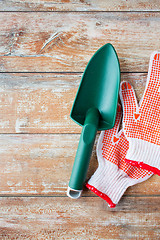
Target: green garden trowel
94	108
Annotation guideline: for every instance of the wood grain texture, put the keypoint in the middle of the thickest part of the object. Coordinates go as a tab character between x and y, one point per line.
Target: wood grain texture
41	103
46	53
79	5
41	164
87	218
64	42
37	103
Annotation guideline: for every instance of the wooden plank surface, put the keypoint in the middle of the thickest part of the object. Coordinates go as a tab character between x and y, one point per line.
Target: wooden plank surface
41	103
60	42
40	164
42	57
87	218
31	103
79	5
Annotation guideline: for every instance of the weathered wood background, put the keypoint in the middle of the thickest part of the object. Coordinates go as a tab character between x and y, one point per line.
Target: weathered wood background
44	48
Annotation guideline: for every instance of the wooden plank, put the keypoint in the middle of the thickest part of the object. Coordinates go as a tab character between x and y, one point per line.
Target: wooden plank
87	218
79	5
37	103
41	164
41	103
47	42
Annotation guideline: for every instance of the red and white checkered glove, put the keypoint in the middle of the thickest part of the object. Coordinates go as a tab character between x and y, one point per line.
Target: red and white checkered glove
141	123
113	175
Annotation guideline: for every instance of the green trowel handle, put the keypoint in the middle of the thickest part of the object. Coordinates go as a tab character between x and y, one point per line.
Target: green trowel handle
83	154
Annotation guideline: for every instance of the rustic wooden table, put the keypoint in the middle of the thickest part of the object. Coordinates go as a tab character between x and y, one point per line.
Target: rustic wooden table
44	48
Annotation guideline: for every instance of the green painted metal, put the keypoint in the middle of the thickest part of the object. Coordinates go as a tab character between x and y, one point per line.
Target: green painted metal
94	108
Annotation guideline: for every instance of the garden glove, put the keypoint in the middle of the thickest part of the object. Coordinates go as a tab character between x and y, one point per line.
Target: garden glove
141	123
113	175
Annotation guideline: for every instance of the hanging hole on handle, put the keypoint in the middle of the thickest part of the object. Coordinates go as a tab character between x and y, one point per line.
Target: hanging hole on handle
72	193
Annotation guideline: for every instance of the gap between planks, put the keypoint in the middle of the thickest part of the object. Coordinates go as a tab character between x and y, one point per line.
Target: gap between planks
85	196
87	11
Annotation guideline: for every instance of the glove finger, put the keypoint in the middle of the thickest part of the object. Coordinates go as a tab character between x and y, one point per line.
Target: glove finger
111	134
152	89
129	101
115	129
109	137
118	118
157	56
